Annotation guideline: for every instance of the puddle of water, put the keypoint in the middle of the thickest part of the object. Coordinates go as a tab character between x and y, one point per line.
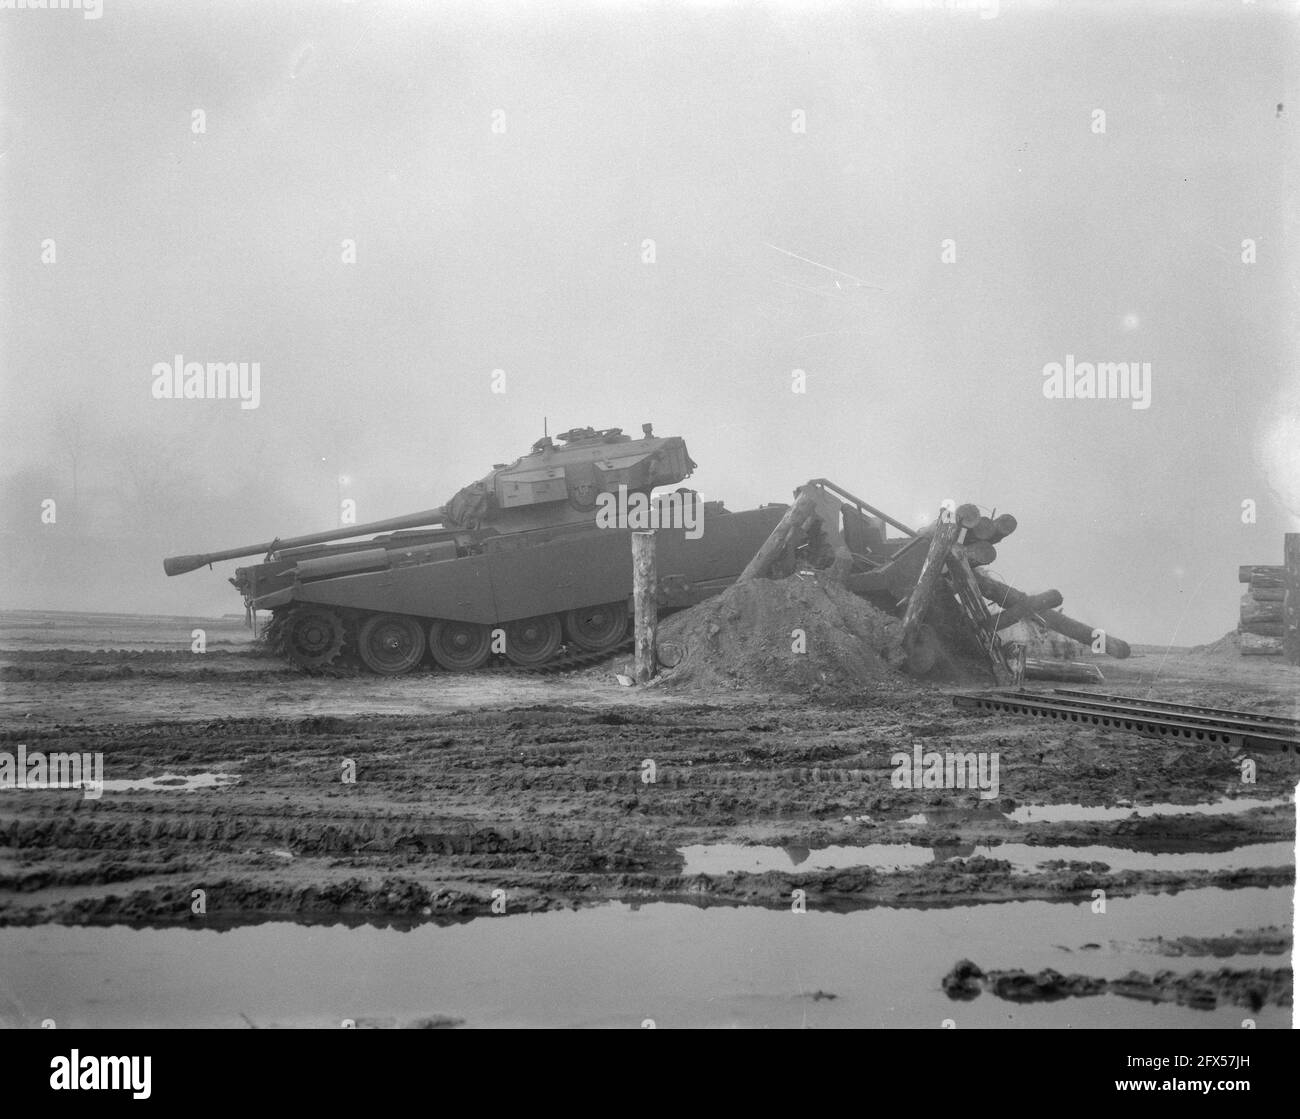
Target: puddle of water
724	858
1055	813
617	965
172	783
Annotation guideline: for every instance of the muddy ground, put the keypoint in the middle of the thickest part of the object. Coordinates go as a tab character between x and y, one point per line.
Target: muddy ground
534	791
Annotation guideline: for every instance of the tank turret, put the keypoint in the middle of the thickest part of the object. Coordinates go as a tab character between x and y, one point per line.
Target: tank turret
552	485
559	484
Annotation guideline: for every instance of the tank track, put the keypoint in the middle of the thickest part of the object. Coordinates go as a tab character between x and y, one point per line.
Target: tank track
569	659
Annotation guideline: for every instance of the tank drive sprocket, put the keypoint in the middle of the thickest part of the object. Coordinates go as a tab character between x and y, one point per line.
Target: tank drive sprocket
312	637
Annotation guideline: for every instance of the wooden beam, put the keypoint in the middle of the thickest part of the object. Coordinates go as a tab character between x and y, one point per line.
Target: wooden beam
927	583
1269	576
1032	604
791	531
644	604
977	614
1006	524
1253	610
997	591
978	553
1252	645
1267	594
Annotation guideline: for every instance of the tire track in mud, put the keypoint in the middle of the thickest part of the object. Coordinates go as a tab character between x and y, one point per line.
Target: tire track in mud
550	803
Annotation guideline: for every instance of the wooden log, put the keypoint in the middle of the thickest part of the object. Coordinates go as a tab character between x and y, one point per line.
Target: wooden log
976	613
1007	597
644	604
1252	645
1270	576
1252	610
927	583
967	515
978	553
897	577
1018	660
1033	604
1002	594
1006	524
1291	603
983	529
790	531
1267	594
1072	671
1082	633
1263	629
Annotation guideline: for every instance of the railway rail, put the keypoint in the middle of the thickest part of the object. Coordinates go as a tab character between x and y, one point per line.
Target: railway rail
1184	723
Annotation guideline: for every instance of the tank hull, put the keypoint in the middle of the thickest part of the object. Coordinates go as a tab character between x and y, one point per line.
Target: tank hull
506	579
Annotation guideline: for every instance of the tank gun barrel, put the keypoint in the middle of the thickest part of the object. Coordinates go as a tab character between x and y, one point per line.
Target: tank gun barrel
179	565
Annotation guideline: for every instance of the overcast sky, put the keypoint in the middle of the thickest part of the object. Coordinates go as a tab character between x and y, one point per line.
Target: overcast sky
523	249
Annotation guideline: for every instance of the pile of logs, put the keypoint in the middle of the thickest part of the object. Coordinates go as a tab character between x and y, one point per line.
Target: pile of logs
1270	608
828	526
1260	628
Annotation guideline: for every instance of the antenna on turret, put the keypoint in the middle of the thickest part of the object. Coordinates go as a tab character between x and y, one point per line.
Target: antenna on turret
545	434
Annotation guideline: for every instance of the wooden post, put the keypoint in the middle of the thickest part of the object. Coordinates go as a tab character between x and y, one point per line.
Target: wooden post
1291	603
645	605
1018	664
790	532
972	605
945	533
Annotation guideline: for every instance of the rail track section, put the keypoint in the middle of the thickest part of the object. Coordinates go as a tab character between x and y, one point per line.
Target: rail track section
1181	722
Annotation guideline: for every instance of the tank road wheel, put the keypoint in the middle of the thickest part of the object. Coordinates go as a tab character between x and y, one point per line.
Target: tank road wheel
533	640
597	628
390	644
311	637
460	646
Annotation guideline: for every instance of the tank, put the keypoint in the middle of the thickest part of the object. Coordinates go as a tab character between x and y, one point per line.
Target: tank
532	563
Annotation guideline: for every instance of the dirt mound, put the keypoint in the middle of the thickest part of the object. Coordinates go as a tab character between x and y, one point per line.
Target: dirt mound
1229	645
799	634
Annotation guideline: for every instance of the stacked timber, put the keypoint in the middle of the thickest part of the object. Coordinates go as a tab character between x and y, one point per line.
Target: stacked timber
1261	627
937	569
